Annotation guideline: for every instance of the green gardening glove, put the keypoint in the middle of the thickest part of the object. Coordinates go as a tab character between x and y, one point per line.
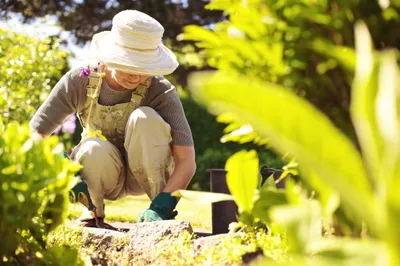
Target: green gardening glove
161	208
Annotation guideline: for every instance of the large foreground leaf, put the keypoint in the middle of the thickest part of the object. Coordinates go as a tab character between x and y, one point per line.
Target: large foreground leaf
292	125
200	197
388	116
364	93
376	114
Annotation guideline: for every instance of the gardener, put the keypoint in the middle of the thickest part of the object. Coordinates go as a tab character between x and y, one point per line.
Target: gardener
148	146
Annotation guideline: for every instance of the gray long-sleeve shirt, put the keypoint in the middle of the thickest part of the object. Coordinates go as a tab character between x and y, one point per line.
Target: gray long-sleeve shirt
69	96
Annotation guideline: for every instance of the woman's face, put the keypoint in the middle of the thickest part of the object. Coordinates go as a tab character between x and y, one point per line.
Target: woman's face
128	80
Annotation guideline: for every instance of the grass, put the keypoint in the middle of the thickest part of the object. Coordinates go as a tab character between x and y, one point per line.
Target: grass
128	209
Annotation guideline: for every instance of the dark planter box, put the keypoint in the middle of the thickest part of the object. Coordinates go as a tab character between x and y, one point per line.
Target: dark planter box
225	212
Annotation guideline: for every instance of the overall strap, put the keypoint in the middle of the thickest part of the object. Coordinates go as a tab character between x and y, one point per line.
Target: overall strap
93	92
140	92
94	82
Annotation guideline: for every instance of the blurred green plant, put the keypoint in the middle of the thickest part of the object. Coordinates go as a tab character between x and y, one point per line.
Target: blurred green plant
29	68
366	182
302	45
34	180
210	151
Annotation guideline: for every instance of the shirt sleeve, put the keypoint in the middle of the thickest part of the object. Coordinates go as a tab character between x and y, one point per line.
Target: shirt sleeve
66	98
169	106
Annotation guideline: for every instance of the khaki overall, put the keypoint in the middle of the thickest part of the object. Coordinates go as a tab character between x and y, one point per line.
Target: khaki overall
134	157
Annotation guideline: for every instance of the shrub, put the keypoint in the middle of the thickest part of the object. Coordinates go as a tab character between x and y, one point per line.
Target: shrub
30	67
34	182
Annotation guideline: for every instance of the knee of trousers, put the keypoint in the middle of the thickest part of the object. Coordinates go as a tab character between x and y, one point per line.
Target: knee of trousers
145	120
100	160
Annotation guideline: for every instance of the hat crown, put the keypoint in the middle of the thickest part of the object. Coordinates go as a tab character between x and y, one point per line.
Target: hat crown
133	29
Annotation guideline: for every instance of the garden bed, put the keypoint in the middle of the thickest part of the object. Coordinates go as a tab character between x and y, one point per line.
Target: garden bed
185	241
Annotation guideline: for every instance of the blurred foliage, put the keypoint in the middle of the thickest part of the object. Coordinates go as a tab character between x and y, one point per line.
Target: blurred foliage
366	182
302	45
210	151
29	68
85	18
34	180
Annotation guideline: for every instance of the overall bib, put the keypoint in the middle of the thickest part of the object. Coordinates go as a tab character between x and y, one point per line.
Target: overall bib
125	149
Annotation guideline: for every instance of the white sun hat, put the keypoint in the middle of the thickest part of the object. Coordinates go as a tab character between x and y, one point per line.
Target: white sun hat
134	45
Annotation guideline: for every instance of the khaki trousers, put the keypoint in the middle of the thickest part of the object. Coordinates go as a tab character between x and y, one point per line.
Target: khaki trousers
143	165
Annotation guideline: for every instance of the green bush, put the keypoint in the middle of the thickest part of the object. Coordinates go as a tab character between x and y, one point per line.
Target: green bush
29	68
34	180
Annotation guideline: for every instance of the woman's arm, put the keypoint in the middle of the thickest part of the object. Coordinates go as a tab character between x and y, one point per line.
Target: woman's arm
68	95
185	167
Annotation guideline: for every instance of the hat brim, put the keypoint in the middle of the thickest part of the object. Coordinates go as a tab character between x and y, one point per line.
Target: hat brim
160	61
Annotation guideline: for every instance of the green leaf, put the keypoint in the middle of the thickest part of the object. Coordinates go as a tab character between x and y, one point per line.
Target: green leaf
344	55
200	197
265	200
295	193
269	182
242	134
363	103
376	115
327	196
388	120
342	251
301	222
388	106
339	251
293	126
207	37
219	5
9	170
242	178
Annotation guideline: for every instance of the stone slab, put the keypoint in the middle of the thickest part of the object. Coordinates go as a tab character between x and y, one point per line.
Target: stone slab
141	237
144	236
101	236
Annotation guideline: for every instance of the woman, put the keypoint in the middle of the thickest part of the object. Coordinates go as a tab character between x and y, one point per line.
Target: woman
148	145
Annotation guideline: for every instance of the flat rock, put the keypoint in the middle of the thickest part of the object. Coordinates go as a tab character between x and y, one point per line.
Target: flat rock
140	238
144	236
101	236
